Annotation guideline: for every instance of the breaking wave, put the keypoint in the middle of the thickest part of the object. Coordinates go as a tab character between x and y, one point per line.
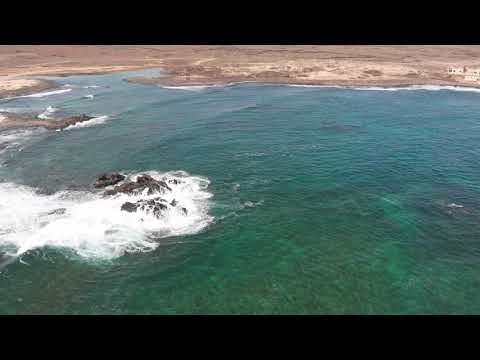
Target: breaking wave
45	93
93	226
92	122
46	114
16	139
394	88
192	87
421	87
317	86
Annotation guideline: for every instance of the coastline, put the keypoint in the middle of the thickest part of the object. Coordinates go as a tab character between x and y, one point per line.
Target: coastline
203	65
12	121
176	82
19	87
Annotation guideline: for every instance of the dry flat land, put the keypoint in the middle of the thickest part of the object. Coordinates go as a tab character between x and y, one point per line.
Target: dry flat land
192	65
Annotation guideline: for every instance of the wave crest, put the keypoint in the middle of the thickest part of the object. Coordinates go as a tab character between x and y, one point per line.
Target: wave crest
95	121
394	88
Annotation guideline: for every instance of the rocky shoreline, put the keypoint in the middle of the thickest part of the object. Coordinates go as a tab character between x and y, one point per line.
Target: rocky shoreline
10	121
338	65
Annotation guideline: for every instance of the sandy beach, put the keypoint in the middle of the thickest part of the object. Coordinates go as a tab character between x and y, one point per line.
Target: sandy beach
16	87
196	65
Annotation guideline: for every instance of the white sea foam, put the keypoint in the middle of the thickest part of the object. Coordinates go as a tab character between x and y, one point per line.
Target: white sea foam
17	138
420	87
453	205
251	204
190	88
203	87
46	114
91	87
92	122
93	226
45	93
316	86
89	96
394	88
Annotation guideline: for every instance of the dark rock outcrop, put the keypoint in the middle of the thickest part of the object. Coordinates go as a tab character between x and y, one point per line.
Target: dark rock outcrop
143	182
129	207
17	121
154	206
62	124
108	180
59	211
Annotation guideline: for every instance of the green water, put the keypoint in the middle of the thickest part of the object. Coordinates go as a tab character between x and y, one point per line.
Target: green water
325	200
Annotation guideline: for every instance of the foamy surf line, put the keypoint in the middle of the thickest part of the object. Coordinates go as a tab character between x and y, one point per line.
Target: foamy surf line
15	139
48	111
94	226
46	93
394	88
203	87
190	88
92	122
317	86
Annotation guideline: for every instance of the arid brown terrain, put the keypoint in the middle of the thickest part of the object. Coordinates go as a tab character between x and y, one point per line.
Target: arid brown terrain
190	65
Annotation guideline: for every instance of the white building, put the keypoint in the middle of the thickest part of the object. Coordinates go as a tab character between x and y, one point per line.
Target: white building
472	77
475	72
469	74
457	70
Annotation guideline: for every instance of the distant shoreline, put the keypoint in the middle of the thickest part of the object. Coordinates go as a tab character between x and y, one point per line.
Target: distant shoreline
357	66
21	87
173	82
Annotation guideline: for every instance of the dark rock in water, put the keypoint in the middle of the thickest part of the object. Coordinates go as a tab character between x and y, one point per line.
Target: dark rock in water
164	184
145	179
452	208
143	182
174	181
185	212
108	180
73	120
153	206
59	211
28	121
130	207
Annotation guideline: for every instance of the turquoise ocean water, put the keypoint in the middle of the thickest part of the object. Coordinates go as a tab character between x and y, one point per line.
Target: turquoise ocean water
306	200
